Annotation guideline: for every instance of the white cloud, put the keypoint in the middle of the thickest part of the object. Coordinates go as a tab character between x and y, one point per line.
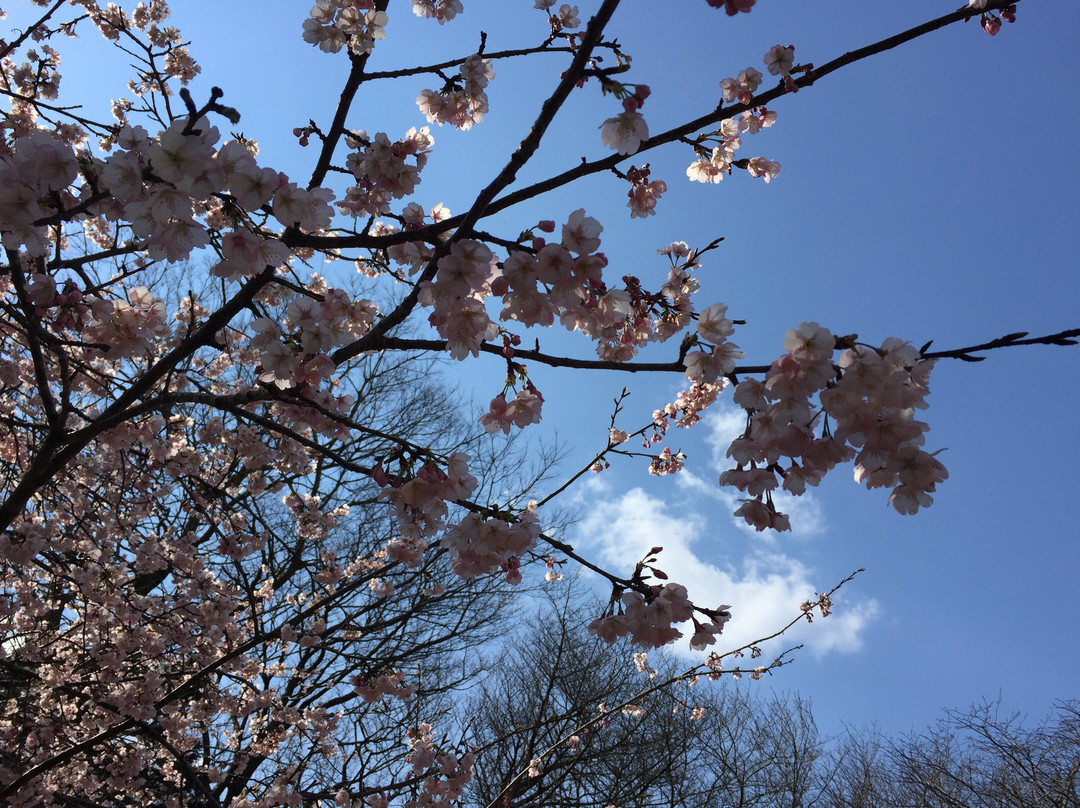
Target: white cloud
764	588
723	423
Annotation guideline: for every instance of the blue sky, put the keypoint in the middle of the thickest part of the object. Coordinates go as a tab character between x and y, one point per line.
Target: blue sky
927	193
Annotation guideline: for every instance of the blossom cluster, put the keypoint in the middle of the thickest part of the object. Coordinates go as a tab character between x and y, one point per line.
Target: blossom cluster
463	102
34	179
383	171
444	772
565	18
522	411
644	193
712	165
295	353
440	10
867	405
420	500
713	326
126	327
539	285
334	24
649	621
157	187
480	545
374	688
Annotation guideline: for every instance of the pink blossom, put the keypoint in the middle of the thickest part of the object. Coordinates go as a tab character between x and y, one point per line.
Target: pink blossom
761	167
581	233
713	325
643	198
568	16
762	515
780	59
907	499
307	209
462	108
666	463
676	249
522	411
478	545
705	633
247	254
713	169
702	170
750	394
708	366
608	628
477	72
625	132
809	343
496	417
754	481
742	87
753	121
441	10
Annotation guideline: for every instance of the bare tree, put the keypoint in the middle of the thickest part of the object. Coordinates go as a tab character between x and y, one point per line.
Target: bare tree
979	758
565	720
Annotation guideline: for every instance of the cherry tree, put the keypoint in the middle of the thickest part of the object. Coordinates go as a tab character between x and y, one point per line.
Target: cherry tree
241	534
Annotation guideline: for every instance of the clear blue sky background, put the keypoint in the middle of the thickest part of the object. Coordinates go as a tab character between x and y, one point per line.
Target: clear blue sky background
927	193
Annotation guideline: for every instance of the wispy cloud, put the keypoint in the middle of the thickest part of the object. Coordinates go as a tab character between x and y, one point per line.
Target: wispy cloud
763	586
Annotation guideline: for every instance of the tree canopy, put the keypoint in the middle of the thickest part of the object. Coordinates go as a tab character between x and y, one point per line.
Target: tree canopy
255	551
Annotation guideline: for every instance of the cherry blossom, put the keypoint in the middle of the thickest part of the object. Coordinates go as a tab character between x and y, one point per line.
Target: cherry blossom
648	622
742	87
462	107
567	16
441	10
240	528
712	171
522	411
624	132
581	233
779	59
761	167
644	193
713	324
332	24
